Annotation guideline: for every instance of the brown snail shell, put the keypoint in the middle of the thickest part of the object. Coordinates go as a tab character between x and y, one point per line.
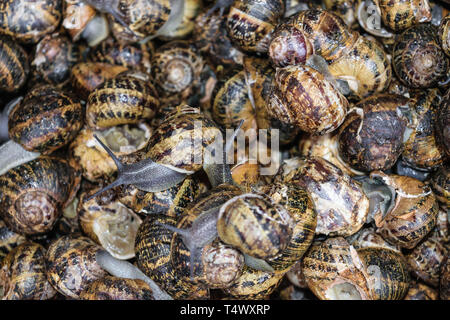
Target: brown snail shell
418	59
114	288
444	282
192	9
444	35
346	9
8	240
33	194
15	64
301	96
440	183
339	201
420	291
77	14
45	120
296	276
28	21
442	124
23	274
368	238
404	13
71	265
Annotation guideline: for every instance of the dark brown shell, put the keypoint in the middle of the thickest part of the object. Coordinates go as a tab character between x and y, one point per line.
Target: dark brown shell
420	291
23	274
444	283
346	9
29	20
126	99
45	120
422	150
402	14
444	34
113	288
378	141
153	257
34	194
418	59
14	65
250	23
71	265
443	124
55	55
440	183
8	240
301	96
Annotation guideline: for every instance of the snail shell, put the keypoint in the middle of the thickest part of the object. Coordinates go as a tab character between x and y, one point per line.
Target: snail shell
33	194
444	35
77	15
301	96
420	291
71	265
23	274
126	99
8	240
442	124
444	282
15	65
440	183
346	9
418	59
113	288
29	20
404	13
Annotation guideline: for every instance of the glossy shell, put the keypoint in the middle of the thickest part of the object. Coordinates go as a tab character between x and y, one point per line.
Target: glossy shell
402	14
45	120
125	99
23	274
33	194
303	97
443	124
440	183
29	20
8	240
418	59
71	265
444	283
14	65
420	291
444	35
346	9
113	288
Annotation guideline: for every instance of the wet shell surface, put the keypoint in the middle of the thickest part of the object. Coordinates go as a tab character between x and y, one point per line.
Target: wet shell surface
113	288
14	65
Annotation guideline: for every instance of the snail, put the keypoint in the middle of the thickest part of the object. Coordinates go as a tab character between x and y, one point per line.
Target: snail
34	194
442	124
15	63
367	237
54	57
114	288
28	21
372	138
346	9
444	36
420	291
418	59
23	274
444	282
126	99
250	23
440	182
8	240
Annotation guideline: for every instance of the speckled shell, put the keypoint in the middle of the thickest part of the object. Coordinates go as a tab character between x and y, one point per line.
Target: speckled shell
76	16
301	208
418	59
113	288
444	35
401	14
301	96
310	32
296	276
246	174
86	76
45	120
71	265
124	99
426	259
346	9
443	124
8	240
444	282
29	20
378	141
250	23
387	273
332	263
413	215
254	285
174	143
132	56
368	238
339	201
440	183
232	102
15	66
33	194
421	150
55	55
420	291
153	248
23	274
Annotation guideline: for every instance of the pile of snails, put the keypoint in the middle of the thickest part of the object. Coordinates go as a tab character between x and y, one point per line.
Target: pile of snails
122	176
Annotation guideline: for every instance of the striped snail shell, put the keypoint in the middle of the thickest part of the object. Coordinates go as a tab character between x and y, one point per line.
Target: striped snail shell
421	291
403	14
71	265
444	282
372	138
153	257
301	96
369	238
15	65
339	201
29	20
23	274
125	99
444	35
114	288
418	59
346	9
45	120
250	23
33	194
442	124
440	183
8	239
